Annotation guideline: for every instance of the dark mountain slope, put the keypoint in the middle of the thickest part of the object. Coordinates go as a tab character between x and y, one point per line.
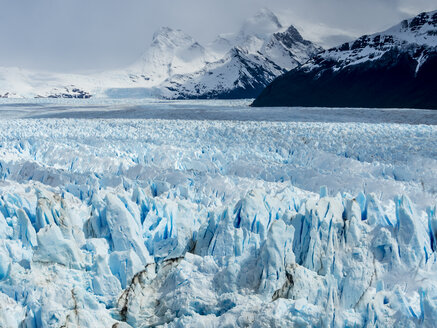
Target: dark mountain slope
396	68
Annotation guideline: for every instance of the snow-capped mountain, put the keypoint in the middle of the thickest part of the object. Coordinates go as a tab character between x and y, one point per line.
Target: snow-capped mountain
171	52
261	51
177	66
395	68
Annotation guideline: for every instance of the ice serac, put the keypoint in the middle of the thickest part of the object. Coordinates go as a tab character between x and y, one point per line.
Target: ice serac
138	225
393	69
335	279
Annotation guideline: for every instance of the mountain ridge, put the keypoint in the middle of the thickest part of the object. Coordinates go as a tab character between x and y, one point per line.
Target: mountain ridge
176	66
247	68
392	68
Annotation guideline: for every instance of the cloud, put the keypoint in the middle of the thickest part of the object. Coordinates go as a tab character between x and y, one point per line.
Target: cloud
77	35
411	8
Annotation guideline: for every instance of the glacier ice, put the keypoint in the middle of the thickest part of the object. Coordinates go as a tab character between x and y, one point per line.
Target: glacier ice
138	223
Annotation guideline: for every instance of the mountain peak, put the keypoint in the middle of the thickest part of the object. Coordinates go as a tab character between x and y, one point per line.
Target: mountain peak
162	32
264	22
421	20
266	13
171	37
421	29
290	36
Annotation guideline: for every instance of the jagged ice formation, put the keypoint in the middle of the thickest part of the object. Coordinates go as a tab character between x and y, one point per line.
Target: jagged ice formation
217	224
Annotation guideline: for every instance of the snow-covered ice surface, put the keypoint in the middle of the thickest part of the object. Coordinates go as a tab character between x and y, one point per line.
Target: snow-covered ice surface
235	110
259	222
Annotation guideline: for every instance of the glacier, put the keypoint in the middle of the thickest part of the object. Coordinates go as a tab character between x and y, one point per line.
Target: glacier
201	223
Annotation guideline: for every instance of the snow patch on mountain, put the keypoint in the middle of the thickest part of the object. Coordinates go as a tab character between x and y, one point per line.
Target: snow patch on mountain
416	35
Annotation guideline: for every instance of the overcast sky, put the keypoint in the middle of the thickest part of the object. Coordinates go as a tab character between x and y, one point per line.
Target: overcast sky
79	35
